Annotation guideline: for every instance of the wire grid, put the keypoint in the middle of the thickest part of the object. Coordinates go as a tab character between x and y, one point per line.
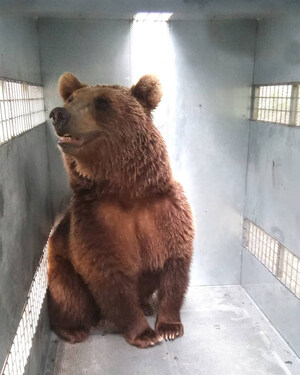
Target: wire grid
298	108
19	352
272	254
22	107
273	103
289	271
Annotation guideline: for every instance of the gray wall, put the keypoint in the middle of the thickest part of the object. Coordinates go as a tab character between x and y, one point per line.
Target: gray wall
214	67
95	51
183	9
19	49
273	179
25	218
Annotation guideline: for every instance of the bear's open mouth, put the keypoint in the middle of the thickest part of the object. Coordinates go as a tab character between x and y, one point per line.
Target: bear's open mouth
77	141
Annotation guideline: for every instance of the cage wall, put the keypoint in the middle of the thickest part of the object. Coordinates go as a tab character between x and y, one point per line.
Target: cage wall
214	65
273	178
25	212
208	143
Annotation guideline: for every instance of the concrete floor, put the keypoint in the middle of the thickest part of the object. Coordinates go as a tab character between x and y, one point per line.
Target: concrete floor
225	334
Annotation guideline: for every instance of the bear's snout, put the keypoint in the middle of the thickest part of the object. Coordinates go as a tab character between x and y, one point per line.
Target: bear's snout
60	118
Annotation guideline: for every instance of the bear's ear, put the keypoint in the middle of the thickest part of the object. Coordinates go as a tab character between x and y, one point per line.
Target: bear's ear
147	91
67	84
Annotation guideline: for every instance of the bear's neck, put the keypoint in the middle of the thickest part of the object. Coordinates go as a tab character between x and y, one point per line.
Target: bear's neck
135	181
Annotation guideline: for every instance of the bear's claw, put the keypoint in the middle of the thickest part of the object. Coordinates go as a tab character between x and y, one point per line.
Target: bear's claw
146	339
170	331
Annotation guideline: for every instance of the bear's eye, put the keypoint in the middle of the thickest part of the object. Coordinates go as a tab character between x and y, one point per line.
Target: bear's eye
101	103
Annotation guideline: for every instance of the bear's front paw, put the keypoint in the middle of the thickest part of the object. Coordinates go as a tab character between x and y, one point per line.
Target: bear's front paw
169	331
146	339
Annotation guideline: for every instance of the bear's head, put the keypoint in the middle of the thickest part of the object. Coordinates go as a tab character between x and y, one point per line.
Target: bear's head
107	133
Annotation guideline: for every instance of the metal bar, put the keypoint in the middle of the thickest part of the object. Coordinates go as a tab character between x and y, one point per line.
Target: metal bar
294	105
254	102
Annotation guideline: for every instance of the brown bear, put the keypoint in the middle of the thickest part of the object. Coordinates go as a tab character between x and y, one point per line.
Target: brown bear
128	231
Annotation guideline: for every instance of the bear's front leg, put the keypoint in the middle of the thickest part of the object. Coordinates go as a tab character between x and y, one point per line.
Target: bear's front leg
116	295
72	309
173	285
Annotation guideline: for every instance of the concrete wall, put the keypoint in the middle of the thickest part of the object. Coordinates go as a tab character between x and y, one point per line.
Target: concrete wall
25	218
273	179
214	67
95	51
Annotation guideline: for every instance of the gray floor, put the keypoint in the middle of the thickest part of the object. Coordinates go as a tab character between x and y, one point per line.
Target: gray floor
225	334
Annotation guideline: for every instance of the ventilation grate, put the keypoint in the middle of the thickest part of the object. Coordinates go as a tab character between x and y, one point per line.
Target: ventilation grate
276	103
19	352
279	260
21	108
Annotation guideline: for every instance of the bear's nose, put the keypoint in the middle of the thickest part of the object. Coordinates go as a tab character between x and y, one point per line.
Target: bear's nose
60	118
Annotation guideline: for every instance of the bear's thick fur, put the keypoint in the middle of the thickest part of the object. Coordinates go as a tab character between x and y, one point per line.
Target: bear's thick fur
128	231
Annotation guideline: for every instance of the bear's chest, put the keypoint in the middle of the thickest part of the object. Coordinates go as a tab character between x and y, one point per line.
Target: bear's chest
136	232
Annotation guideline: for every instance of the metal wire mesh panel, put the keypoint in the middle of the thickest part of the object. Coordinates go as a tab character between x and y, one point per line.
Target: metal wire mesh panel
276	103
21	108
289	271
298	108
17	358
278	259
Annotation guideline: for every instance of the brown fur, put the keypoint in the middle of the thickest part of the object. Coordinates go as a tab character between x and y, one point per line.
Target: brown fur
128	231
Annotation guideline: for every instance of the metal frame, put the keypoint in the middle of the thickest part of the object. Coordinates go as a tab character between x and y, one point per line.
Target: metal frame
280	261
281	108
17	357
22	107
